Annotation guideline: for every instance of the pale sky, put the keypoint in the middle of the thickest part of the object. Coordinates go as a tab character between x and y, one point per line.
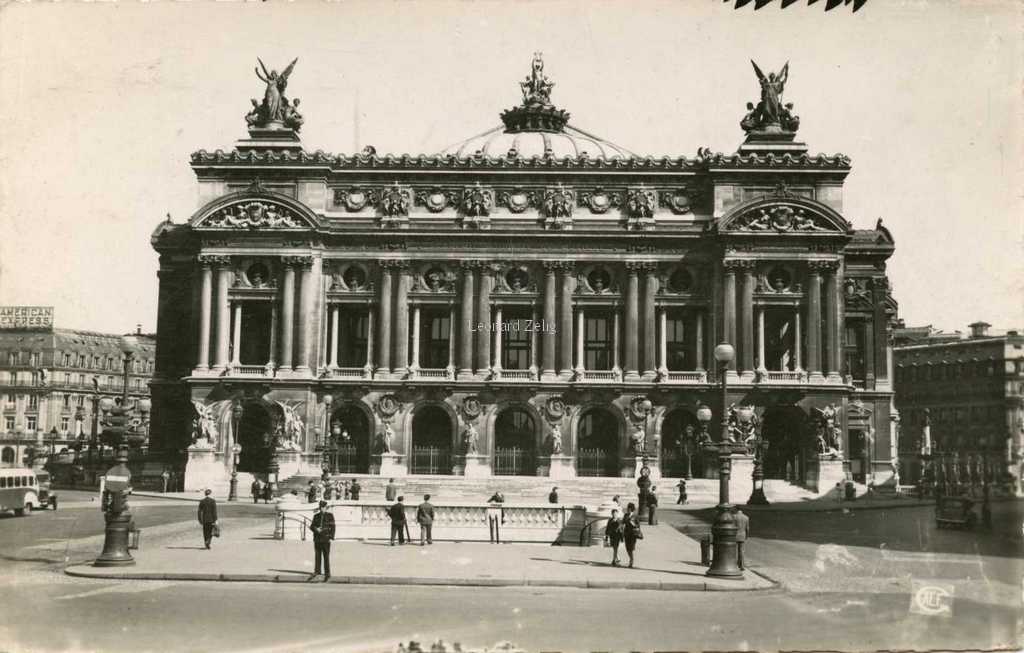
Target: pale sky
101	105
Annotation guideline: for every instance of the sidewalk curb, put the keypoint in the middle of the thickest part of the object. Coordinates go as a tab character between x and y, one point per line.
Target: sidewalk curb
85	571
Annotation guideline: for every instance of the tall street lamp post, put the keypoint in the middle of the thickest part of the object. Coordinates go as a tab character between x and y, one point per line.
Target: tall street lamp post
724	563
332	443
757	497
236	416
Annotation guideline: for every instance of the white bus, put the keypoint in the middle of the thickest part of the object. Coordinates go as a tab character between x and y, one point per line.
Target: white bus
19	490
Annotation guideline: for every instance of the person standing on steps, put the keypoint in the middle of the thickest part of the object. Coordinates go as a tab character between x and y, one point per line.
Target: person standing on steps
652	505
323	532
682	492
631	531
354	489
208	516
391	490
553	497
613	535
425	518
398	525
742	529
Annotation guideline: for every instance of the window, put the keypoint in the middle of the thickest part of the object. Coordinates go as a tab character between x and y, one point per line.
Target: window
80	400
35	378
65	422
33	402
12	358
597	341
352	343
9	423
67	360
138	384
67	401
81	380
36	359
517	340
435	334
676	349
31	423
81	360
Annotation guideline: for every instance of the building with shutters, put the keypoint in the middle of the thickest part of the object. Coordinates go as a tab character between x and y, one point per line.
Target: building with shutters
533	301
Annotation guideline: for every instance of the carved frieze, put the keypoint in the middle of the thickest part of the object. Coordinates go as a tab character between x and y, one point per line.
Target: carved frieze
641	203
213	260
436	199
599	201
558	206
353	199
297	261
517	200
436	279
394	204
679	200
782	218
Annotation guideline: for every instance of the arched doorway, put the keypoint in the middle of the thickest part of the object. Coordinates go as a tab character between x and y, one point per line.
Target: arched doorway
783	428
680	455
254	431
598	448
7	456
432	437
515	443
349	444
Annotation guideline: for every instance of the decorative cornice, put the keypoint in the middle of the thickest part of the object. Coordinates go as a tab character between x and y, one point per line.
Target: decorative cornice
253	215
838	162
211	260
738	264
297	261
822	266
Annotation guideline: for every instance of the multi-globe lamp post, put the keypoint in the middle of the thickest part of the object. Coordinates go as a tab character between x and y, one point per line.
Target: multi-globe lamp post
724	562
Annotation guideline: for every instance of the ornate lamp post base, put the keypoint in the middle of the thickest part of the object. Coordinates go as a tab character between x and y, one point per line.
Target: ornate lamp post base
725	558
115	542
233	487
757	498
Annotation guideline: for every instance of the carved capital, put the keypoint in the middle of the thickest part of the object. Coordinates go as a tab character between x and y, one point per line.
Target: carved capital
738	265
213	260
822	266
634	267
297	261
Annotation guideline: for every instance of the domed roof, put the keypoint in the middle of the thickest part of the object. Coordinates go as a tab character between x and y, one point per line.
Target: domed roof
537	128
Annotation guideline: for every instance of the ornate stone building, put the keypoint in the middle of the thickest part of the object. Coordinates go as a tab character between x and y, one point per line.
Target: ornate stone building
533	301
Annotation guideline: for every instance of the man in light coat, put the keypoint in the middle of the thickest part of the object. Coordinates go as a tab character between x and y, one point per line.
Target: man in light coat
425	518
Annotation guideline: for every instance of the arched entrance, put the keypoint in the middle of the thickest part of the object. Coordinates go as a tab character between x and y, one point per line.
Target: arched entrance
680	455
432	437
598	448
7	457
349	444
254	431
515	443
783	428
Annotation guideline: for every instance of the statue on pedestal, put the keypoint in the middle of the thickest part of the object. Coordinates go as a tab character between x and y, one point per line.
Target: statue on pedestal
275	109
387	436
470	439
770	111
537	87
636	440
555	440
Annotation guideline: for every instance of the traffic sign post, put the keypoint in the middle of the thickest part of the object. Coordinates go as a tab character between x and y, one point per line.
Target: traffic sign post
119	518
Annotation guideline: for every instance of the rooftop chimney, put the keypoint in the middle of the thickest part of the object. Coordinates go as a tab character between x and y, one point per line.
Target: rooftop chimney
979	329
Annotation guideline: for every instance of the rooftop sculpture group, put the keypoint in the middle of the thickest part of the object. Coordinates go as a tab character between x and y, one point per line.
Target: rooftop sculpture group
276	111
770	114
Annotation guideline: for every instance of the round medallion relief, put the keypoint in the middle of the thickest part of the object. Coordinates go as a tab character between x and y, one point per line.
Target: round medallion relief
780	279
354	277
258	275
599	280
681	280
517	279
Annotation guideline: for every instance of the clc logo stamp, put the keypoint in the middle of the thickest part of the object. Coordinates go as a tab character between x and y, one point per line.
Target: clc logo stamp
931	598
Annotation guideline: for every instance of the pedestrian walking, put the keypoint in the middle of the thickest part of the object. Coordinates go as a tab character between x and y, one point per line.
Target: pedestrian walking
208	516
354	489
391	490
616	505
323	532
311	492
742	529
553	497
652	506
398	525
166	476
425	518
256	489
268	492
613	535
631	531
682	492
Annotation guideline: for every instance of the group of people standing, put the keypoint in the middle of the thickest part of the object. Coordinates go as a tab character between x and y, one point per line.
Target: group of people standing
327	490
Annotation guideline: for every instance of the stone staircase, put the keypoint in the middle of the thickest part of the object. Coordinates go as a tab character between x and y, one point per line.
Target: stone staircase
589	491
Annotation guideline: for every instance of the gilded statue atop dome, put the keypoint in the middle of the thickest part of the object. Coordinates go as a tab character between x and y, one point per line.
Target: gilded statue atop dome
537	87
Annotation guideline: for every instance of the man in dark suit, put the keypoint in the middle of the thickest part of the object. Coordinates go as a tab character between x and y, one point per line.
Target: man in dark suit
323	532
354	489
391	490
257	490
397	514
425	518
553	497
742	530
208	516
652	505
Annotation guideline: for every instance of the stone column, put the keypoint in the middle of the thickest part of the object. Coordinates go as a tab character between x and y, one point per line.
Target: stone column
483	316
467	328
223	317
550	336
662	341
534	340
335	325
798	340
869	356
832	295
762	365
581	367
371	339
236	335
272	354
415	364
747	304
616	346
496	368
565	319
384	323
632	339
205	305
650	292
451	342
729	302
878	352
698	319
401	360
814	321
307	300
287	314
